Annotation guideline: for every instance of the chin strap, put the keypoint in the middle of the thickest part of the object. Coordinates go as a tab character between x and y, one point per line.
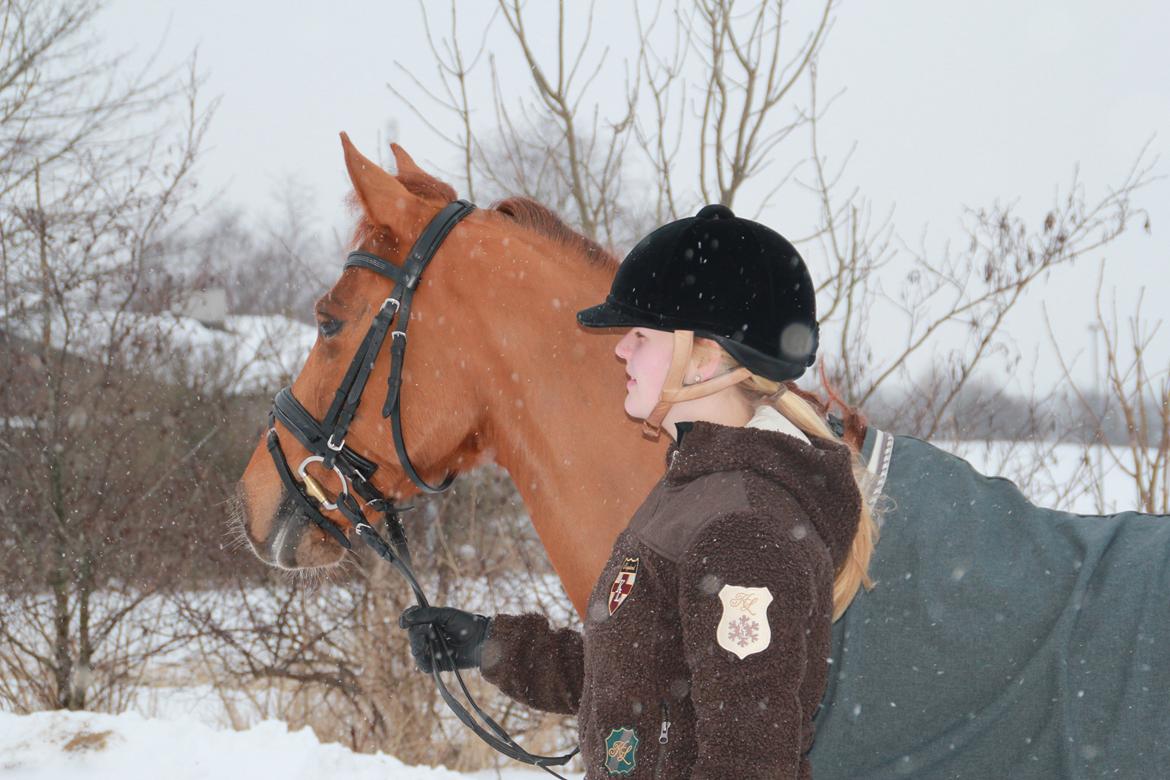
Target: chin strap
673	389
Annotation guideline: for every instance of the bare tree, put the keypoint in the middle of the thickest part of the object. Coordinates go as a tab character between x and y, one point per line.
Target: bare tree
265	265
749	76
1137	395
969	293
93	175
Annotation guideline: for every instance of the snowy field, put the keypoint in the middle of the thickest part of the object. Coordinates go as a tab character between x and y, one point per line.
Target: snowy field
177	726
67	745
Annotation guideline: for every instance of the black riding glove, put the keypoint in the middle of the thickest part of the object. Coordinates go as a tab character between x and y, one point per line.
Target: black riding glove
465	634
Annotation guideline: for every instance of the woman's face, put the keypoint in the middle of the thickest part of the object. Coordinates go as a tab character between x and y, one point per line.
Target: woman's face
647	355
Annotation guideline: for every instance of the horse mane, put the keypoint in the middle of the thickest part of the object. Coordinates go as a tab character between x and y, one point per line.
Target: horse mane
527	213
852	418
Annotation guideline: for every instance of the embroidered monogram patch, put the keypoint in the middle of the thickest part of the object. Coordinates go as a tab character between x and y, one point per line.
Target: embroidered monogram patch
621	749
744	628
623	583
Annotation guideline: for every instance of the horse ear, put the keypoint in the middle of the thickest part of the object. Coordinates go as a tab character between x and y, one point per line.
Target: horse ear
418	180
406	163
384	199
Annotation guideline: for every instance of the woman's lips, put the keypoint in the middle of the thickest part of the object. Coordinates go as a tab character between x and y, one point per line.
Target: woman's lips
631	383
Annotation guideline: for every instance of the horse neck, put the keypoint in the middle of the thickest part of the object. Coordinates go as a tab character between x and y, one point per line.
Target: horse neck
555	418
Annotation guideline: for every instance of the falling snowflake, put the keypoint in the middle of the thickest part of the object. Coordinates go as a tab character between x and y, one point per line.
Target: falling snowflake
743	631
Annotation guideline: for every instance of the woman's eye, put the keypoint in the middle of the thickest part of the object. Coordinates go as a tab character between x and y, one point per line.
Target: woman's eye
328	327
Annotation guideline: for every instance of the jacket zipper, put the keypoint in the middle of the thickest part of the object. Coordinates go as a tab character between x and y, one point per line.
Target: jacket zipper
663	738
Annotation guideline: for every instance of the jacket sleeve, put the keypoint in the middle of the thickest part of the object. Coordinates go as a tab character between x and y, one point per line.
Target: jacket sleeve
749	720
537	666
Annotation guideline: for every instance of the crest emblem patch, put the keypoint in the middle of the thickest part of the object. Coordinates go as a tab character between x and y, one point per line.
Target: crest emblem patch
623	583
621	749
744	628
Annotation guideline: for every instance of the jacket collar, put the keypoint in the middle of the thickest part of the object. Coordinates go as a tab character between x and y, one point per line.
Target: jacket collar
768	418
817	474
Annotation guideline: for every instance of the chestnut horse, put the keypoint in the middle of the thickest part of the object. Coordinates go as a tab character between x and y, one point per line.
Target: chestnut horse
497	370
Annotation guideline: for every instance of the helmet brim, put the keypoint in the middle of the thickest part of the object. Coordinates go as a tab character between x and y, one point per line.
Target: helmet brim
607	315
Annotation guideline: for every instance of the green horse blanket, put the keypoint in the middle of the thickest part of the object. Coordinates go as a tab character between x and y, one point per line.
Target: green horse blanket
1002	639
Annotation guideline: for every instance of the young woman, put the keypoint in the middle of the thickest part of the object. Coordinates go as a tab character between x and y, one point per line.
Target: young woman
706	641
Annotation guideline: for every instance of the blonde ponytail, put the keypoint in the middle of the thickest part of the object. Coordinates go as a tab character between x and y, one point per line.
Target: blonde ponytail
854	572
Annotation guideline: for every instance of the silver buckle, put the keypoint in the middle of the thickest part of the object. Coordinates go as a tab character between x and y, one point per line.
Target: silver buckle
397	304
335	447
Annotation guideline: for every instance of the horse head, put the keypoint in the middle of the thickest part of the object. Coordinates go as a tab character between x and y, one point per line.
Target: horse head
496	369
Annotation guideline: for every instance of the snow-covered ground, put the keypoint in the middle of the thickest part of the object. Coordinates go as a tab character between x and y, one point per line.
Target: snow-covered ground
75	745
176	726
179	728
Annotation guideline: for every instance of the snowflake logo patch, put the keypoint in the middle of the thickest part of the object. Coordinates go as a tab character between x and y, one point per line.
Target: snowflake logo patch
743	629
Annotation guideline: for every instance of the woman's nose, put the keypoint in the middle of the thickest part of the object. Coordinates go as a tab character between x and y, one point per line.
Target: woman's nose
622	349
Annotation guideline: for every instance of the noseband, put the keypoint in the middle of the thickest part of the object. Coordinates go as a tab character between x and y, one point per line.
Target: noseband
325	441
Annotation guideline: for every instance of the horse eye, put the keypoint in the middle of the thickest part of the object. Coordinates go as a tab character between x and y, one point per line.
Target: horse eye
328	327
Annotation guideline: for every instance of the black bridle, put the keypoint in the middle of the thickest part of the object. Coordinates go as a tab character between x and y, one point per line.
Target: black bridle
325	440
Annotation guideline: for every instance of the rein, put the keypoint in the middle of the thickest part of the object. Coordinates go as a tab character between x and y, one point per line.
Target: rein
325	440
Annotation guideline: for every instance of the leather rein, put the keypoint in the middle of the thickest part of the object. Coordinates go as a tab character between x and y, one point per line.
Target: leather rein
325	440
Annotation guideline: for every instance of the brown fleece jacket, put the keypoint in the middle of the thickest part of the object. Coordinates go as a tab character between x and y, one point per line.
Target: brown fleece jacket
706	641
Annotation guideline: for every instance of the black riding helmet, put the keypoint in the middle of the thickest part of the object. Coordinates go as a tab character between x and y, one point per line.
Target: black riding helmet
725	278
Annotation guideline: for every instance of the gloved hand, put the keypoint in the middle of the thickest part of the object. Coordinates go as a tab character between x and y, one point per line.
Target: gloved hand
465	634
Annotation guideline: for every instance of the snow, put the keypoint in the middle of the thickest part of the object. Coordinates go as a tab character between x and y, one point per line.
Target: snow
66	745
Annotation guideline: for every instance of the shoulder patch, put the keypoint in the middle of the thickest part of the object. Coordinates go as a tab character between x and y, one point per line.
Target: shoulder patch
744	628
623	583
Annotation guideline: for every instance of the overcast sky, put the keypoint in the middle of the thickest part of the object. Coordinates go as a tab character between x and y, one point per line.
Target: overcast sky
949	104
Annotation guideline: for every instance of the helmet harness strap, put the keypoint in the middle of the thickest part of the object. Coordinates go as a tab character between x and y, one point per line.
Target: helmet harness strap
673	390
